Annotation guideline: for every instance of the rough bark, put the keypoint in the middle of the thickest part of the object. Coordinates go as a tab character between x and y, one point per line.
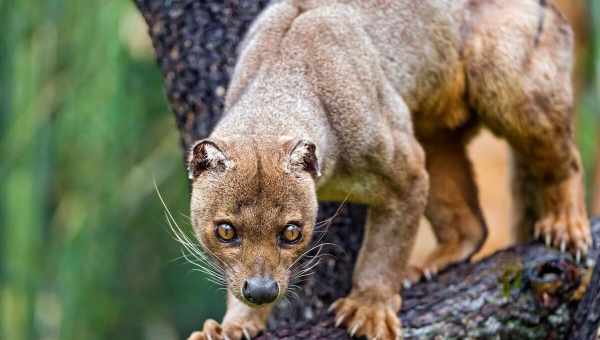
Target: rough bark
526	292
586	323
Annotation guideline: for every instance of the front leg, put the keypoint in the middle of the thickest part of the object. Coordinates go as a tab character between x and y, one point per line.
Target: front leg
373	304
240	322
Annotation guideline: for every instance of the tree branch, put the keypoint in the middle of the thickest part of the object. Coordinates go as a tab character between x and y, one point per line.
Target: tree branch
526	292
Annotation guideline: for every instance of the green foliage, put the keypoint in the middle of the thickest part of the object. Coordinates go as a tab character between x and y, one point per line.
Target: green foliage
588	126
512	279
85	129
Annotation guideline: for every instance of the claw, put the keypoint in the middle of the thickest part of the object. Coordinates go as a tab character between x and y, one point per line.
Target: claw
427	274
563	246
548	240
590	263
578	256
406	283
226	337
339	320
355	328
246	334
208	336
332	307
536	233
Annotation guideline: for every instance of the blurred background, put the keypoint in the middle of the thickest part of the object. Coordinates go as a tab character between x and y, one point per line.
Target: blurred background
85	131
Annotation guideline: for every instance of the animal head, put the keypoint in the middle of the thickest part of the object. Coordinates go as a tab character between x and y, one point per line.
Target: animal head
254	208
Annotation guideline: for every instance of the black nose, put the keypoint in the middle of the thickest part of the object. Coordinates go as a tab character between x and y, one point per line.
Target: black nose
260	290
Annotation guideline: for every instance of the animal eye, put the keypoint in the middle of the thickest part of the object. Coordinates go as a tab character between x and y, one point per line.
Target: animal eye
291	234
226	232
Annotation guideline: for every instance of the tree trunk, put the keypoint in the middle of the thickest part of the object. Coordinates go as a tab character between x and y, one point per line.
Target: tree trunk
526	292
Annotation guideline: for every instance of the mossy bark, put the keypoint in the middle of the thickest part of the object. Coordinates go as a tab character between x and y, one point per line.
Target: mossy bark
526	292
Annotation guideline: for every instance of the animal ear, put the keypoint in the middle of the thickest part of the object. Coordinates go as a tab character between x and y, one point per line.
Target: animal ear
206	155
303	157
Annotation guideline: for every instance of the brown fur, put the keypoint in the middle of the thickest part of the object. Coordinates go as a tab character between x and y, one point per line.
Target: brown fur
366	89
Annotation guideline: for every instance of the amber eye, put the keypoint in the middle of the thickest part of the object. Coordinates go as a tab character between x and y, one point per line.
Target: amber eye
291	234
226	232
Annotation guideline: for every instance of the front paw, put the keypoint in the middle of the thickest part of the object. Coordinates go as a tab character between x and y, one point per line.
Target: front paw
231	330
365	314
563	221
565	230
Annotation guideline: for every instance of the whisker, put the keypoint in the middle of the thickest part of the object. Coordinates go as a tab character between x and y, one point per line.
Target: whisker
216	281
193	249
301	280
302	256
186	216
212	270
291	296
329	220
210	253
295	296
211	273
308	269
207	271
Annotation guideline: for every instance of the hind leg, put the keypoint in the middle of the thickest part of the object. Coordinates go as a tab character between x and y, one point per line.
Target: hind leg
520	83
532	197
453	205
550	200
548	183
554	202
